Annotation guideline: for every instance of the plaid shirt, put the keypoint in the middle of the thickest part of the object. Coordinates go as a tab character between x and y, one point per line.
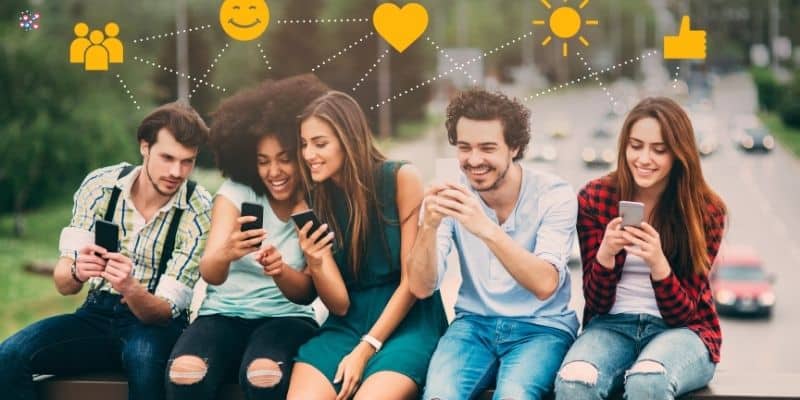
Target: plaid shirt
142	241
682	302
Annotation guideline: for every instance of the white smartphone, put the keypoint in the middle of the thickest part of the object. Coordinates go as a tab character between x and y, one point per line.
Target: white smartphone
632	213
447	170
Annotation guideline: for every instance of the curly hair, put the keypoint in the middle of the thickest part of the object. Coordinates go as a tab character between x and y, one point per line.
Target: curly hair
481	105
242	120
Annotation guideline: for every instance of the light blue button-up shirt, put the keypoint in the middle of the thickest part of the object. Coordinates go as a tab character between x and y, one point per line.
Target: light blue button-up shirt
542	222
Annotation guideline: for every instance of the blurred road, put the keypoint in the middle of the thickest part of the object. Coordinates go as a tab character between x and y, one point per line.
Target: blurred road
761	191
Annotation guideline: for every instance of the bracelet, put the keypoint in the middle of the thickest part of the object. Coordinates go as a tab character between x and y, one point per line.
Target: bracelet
372	342
74	272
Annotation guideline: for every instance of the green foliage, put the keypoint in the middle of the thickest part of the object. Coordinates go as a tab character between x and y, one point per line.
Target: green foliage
769	90
53	128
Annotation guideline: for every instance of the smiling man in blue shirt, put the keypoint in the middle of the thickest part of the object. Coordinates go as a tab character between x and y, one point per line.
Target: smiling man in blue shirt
513	228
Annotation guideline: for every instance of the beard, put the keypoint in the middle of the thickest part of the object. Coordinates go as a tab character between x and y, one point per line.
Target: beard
497	182
154	183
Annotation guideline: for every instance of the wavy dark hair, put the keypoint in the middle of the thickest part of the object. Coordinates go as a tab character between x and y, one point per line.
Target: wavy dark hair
242	120
682	210
481	105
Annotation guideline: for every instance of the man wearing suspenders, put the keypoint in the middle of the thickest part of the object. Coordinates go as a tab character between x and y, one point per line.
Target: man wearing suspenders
138	297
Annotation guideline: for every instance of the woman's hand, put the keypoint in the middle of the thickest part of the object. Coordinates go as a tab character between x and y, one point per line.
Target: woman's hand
271	260
314	249
646	243
613	242
351	370
240	244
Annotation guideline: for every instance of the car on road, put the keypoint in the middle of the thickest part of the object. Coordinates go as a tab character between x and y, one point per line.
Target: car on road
739	283
756	139
599	152
705	132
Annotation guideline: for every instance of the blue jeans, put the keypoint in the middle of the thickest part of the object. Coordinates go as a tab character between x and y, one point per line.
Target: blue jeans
612	344
520	358
102	335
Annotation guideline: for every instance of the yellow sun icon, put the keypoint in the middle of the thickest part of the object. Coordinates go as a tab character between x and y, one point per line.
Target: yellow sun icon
565	22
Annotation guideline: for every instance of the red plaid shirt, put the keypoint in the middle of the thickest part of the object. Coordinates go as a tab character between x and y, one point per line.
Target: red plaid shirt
682	302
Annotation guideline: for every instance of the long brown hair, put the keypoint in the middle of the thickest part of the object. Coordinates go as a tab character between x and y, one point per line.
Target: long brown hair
361	161
681	212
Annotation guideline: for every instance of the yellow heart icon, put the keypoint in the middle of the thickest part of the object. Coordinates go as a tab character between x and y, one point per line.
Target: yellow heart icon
400	26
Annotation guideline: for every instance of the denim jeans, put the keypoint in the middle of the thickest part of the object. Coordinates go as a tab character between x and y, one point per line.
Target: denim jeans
229	344
612	344
101	336
476	352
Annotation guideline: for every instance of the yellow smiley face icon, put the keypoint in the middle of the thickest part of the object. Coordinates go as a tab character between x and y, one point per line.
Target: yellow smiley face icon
244	19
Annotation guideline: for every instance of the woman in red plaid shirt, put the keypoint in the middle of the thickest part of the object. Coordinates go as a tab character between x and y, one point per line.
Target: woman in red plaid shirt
650	327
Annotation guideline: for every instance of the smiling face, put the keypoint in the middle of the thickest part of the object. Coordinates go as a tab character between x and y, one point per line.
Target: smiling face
321	149
647	156
483	153
244	19
277	169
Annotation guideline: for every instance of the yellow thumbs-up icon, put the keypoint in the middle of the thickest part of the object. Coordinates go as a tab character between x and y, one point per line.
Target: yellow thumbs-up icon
689	44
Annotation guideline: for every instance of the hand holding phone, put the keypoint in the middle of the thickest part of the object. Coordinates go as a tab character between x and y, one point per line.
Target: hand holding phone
303	217
632	213
253	210
106	235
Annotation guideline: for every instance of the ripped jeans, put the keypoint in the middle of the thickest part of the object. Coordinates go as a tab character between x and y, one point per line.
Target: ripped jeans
256	353
637	353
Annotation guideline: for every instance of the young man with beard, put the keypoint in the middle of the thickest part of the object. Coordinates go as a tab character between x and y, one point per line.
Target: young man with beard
139	294
513	228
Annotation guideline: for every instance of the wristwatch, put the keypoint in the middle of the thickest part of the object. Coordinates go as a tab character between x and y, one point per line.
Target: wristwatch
372	342
74	271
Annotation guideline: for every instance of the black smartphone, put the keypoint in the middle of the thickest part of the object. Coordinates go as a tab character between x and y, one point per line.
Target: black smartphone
106	235
253	210
301	219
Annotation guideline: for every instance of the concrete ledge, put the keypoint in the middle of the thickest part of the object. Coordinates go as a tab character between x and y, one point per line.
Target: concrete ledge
725	386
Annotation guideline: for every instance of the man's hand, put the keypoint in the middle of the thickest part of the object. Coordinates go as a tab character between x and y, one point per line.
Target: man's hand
431	217
90	262
118	273
457	202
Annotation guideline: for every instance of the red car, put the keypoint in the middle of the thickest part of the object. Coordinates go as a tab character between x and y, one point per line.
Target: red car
740	284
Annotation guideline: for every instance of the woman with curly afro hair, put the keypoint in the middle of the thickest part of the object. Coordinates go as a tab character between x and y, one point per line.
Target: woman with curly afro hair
256	311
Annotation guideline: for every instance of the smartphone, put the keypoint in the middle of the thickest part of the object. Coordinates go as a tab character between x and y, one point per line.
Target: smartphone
448	170
301	219
253	210
106	235
632	213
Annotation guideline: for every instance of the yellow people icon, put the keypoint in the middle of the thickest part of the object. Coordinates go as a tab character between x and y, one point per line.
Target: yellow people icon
688	45
244	19
400	26
96	50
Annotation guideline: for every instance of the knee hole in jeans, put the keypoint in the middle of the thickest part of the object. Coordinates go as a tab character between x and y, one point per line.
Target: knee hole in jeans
579	371
264	373
647	367
187	370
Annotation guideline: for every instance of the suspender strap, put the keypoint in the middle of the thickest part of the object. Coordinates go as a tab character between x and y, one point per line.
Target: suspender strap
169	243
112	203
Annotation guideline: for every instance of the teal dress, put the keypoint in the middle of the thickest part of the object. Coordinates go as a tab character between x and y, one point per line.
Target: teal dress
409	348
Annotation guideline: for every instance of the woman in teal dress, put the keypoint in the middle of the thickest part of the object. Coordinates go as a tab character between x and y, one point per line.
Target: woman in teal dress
378	336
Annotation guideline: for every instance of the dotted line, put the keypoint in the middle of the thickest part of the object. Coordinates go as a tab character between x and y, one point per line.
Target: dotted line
320	21
128	92
452	62
374	65
675	80
264	56
165	35
210	67
589	76
457	67
344	50
179	73
597	79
